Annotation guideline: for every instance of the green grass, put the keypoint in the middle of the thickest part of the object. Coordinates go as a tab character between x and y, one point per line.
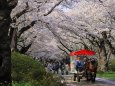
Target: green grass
107	75
21	84
111	74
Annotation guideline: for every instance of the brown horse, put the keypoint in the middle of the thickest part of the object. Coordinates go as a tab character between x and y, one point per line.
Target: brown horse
91	69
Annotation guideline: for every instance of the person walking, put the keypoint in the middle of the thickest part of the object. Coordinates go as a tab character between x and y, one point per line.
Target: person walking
62	67
57	67
49	67
53	67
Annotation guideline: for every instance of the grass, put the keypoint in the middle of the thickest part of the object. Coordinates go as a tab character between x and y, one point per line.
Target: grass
107	75
110	74
21	84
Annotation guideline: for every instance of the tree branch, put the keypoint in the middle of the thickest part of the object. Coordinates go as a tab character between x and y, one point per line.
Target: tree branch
20	13
63	50
26	28
50	11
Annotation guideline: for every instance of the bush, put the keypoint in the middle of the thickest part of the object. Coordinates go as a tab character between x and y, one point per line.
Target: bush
49	80
112	65
24	68
28	72
54	80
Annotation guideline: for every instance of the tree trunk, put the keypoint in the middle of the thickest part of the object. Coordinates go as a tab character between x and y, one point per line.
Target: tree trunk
13	39
102	60
6	7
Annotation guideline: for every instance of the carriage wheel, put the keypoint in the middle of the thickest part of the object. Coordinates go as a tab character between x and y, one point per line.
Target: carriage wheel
74	78
66	72
88	77
78	78
93	77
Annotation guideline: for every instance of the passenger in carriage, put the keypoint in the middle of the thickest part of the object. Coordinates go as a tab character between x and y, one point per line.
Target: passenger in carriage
85	60
79	64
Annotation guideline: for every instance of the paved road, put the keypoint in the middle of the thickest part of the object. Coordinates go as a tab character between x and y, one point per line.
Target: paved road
99	82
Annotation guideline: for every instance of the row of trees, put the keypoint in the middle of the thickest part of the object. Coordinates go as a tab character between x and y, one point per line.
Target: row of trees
87	28
12	29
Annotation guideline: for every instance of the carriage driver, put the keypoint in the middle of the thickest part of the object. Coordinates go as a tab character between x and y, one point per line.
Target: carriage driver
78	64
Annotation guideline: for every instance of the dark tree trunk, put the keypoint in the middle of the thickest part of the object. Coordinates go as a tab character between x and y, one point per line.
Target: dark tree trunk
6	7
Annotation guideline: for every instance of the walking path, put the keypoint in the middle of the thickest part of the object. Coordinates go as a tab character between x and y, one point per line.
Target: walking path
99	82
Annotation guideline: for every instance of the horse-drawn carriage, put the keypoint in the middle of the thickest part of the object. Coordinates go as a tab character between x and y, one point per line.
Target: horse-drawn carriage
83	65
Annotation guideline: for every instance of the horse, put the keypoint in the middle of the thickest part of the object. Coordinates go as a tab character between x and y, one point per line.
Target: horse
91	69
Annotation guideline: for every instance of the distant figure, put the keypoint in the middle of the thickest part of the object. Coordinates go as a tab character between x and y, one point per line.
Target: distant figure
62	67
66	69
49	67
57	67
85	61
68	62
53	67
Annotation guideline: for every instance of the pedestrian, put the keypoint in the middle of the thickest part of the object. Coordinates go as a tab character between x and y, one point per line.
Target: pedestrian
62	67
49	67
53	67
57	67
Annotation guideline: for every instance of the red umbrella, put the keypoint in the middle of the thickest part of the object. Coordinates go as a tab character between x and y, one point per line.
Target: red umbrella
83	52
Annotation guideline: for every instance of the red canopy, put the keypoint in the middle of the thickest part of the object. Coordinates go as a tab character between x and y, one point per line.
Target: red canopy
83	52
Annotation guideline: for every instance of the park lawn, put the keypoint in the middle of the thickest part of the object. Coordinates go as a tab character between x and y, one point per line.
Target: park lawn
107	75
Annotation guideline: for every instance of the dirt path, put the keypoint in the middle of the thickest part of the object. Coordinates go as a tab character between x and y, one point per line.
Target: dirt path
99	82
